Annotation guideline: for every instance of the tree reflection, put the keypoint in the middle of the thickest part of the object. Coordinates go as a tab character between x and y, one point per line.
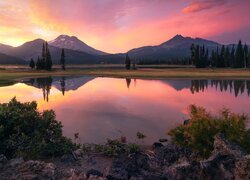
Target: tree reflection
62	83
128	81
45	85
236	86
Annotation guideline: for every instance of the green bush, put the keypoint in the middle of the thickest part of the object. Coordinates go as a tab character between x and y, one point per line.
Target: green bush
199	133
24	131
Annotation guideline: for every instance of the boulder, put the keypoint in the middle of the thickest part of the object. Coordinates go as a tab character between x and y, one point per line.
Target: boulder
3	160
93	173
117	171
242	168
15	162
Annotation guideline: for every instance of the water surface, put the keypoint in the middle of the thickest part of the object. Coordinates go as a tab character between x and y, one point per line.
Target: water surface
101	108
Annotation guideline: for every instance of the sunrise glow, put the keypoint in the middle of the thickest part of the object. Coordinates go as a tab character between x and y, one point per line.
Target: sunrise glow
117	26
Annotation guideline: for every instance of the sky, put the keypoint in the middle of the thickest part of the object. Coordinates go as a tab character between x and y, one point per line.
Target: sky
119	25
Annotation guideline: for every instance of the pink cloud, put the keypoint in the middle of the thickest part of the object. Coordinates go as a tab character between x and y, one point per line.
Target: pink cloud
198	6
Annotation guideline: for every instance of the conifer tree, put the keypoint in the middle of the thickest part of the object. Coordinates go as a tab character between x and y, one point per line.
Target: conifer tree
127	62
246	56
63	59
239	56
232	57
227	57
32	63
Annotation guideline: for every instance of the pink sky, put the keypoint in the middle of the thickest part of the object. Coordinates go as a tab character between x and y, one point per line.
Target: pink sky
119	25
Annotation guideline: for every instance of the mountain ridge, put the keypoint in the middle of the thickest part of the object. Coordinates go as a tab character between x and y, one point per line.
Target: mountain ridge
73	43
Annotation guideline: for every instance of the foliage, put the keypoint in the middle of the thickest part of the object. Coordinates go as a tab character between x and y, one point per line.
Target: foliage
199	133
63	59
45	63
26	132
223	57
32	64
113	148
127	62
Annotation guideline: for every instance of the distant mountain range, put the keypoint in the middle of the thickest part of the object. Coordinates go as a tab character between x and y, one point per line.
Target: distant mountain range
78	52
175	48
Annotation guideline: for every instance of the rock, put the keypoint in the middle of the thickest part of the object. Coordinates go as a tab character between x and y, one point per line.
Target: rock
67	158
3	161
94	173
78	153
15	162
242	168
157	145
117	171
223	147
36	169
163	140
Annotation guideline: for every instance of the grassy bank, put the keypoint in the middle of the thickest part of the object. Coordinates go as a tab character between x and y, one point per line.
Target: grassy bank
13	75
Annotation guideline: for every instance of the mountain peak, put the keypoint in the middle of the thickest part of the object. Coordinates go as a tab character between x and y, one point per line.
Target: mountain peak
72	42
178	36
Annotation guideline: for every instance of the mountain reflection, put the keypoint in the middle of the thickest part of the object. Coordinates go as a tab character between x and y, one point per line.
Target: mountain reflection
237	87
63	84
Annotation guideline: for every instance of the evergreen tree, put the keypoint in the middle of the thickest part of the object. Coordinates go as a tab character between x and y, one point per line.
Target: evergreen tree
222	58
232	57
192	48
227	57
239	56
48	61
32	64
246	56
38	63
63	59
127	62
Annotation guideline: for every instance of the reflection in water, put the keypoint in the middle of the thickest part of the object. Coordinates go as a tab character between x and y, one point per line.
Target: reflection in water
100	108
236	86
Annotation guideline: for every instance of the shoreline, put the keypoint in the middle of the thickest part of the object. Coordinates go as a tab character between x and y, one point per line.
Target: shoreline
15	75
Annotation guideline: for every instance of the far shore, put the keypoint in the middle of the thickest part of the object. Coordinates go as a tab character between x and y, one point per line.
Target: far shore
13	74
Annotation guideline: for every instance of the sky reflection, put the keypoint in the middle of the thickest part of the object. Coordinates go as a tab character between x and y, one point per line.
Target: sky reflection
100	108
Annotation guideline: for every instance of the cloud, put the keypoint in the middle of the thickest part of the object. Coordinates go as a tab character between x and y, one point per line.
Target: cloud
198	6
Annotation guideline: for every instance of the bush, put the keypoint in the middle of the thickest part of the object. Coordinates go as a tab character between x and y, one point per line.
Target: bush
26	132
198	134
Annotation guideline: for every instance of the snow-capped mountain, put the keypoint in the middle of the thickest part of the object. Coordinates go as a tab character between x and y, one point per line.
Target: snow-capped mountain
73	43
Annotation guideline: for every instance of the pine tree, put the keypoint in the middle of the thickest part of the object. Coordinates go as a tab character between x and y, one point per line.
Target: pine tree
232	57
63	59
192	49
127	62
222	58
38	63
239	56
32	64
48	61
227	57
246	56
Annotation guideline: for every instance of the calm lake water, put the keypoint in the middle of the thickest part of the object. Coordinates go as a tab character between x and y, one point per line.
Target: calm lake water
101	108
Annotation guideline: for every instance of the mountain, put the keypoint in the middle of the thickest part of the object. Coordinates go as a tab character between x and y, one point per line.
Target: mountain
33	49
175	48
5	59
73	43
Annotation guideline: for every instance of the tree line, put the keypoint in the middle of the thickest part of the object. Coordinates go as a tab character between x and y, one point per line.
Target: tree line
221	57
45	62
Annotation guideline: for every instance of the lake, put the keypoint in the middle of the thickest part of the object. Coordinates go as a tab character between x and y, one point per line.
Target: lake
99	108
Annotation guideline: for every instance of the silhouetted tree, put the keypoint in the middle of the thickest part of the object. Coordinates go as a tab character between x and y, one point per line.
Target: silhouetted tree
127	62
245	56
239	56
63	59
227	57
232	57
32	64
38	63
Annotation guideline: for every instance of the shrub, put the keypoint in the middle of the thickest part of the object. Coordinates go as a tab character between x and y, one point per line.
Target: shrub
24	131
198	134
